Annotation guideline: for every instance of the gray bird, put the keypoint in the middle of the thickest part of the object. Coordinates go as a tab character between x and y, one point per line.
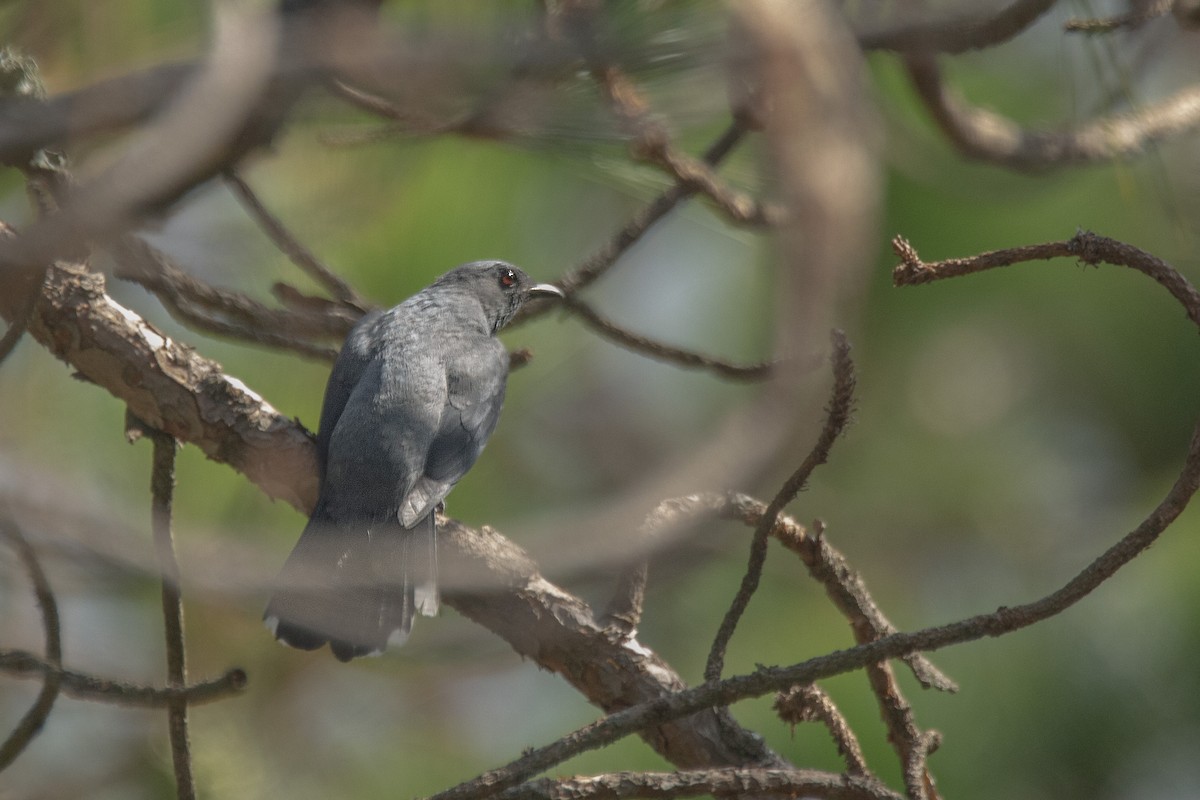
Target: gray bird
413	397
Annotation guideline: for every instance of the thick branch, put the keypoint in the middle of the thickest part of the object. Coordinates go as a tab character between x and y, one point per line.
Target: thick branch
490	580
960	33
768	679
988	136
732	782
167	384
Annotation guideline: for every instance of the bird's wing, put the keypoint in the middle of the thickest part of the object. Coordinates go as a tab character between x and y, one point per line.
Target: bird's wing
354	357
475	382
356	577
378	448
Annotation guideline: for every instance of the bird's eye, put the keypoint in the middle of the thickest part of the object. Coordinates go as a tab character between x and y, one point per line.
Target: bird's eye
508	278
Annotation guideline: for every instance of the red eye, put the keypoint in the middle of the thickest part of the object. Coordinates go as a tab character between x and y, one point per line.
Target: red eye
508	278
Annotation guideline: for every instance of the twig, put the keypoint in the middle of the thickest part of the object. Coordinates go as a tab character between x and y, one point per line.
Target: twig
1088	247
844	586
226	312
82	686
738	207
722	783
31	723
849	594
162	489
494	583
766	679
838	415
405	121
811	703
911	744
960	33
988	136
624	611
599	262
651	140
652	144
917	780
19	324
1130	19
665	352
299	255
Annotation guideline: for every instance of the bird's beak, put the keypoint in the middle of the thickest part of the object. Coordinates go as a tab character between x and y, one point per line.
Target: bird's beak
545	290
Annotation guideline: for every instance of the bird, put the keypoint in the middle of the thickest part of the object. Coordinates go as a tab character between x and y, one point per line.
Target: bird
413	396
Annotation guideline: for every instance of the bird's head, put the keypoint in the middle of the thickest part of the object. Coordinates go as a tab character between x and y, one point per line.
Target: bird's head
500	288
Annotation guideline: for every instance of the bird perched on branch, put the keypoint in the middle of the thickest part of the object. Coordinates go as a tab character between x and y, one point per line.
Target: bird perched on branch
413	397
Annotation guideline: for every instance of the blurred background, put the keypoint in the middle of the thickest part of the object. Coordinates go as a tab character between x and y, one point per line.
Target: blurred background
1009	427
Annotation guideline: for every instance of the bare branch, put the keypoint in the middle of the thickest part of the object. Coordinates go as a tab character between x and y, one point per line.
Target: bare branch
838	415
491	581
652	144
82	686
299	255
917	780
162	489
167	384
1132	19
225	312
988	136
725	782
767	679
1085	246
665	352
827	565
958	34
911	744
599	262
227	109
31	723
811	703
29	125
624	610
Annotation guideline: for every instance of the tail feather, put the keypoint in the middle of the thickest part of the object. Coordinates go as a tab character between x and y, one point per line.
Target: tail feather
356	588
423	566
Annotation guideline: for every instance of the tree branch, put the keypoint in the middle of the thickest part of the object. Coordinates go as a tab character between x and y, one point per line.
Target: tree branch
811	703
83	686
988	136
670	354
959	33
595	265
33	720
287	243
838	415
1085	246
767	679
721	783
162	489
1131	19
167	384
491	581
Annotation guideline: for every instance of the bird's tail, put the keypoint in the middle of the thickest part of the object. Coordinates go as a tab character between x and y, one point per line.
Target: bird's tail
356	587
